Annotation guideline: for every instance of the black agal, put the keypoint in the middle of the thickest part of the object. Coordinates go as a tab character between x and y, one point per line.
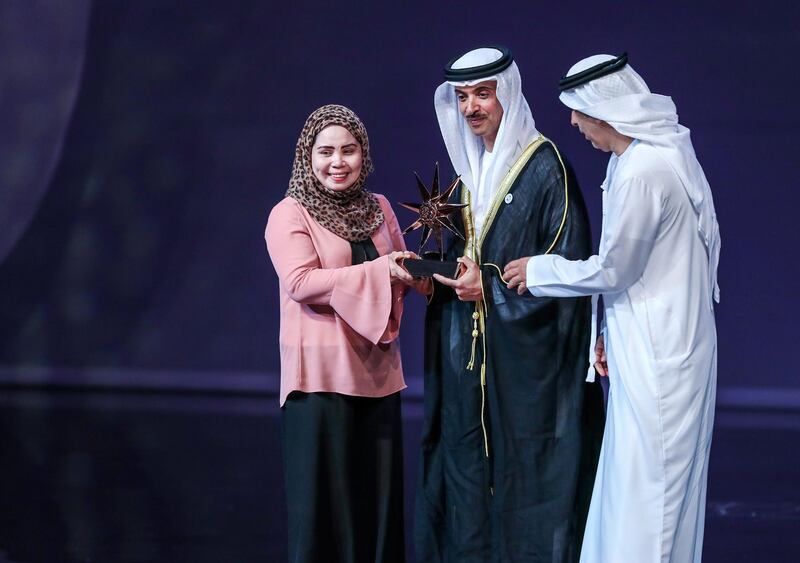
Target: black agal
598	70
482	71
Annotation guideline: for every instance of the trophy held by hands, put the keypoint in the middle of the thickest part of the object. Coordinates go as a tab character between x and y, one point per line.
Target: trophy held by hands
434	215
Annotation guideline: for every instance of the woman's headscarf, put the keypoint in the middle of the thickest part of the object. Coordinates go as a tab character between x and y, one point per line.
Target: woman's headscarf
353	213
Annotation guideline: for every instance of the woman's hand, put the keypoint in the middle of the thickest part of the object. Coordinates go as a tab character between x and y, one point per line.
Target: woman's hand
421	285
398	274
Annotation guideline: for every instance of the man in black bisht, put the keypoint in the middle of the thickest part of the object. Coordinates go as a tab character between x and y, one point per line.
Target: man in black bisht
512	432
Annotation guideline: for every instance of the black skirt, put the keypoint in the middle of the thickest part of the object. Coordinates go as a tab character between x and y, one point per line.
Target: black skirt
343	469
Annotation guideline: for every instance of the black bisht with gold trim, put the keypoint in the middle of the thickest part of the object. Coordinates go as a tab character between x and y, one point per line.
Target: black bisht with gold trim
530	410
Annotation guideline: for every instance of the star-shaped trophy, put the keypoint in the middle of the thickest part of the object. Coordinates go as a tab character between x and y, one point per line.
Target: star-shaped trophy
434	215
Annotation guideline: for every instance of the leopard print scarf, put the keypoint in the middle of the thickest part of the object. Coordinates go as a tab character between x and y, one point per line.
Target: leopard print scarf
354	213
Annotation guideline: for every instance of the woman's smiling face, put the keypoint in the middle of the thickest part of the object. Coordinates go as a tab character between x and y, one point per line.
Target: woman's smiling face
336	158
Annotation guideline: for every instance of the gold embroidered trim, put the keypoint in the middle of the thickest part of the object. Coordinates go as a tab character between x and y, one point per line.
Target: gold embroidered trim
472	249
498	198
505	185
566	201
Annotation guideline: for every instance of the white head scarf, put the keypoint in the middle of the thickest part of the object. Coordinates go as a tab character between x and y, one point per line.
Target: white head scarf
517	128
623	100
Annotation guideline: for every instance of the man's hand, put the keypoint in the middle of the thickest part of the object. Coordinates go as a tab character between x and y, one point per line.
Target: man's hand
515	274
468	285
600	364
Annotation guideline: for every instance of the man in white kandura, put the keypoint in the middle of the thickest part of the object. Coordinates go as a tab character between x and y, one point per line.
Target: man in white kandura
657	272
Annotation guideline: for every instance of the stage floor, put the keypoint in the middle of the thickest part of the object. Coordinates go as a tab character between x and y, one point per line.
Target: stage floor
176	478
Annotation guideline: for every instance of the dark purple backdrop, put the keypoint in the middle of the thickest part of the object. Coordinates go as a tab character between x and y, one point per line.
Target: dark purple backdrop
142	145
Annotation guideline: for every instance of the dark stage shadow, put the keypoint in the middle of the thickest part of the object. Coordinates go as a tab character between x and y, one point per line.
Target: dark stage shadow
133	477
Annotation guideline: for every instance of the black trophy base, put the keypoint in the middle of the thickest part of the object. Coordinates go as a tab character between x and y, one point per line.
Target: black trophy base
429	265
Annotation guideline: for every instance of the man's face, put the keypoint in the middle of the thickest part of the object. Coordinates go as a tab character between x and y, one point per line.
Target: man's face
596	132
481	108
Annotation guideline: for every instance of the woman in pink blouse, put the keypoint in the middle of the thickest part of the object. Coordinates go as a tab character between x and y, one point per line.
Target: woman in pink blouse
338	251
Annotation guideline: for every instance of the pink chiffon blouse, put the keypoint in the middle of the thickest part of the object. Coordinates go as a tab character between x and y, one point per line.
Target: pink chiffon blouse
338	322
